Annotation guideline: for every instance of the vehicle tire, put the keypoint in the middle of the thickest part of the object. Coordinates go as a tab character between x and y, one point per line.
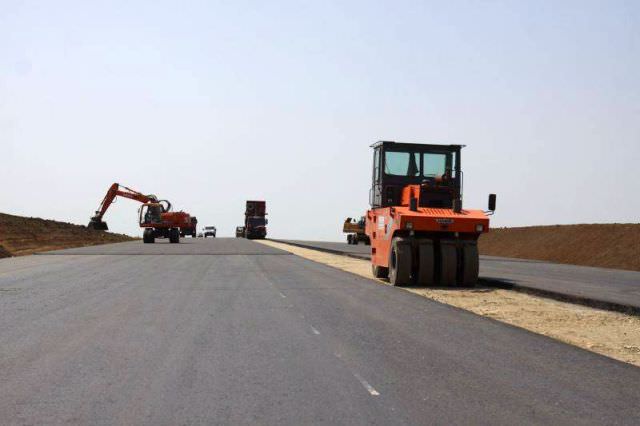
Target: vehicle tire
400	262
447	263
379	271
426	263
148	237
205	235
174	236
349	239
470	264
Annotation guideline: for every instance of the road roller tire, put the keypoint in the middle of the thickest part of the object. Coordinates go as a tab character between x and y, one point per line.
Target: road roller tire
426	263
447	263
470	264
400	262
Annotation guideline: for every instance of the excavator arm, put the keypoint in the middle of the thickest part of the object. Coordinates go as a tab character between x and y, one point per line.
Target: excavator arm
114	191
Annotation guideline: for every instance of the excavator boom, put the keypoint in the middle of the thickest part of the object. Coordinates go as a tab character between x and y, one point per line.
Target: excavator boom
115	190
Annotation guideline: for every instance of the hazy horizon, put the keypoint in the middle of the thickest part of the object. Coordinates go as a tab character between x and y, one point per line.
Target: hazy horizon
209	104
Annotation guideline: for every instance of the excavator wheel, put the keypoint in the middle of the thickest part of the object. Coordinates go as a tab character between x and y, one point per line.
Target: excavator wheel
379	271
447	263
174	236
426	263
148	237
400	262
470	264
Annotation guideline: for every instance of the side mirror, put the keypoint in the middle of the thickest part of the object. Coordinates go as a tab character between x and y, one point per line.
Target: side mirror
492	202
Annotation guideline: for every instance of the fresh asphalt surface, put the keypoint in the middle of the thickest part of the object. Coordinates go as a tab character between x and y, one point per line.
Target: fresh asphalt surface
229	331
597	284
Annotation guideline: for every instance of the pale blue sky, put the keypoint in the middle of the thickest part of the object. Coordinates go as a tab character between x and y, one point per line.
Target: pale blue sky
211	103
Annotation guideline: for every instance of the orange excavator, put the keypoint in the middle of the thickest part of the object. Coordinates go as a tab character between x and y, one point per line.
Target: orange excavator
419	231
155	215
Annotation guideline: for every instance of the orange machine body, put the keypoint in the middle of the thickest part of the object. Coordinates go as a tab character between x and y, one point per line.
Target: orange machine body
383	224
155	216
170	219
417	226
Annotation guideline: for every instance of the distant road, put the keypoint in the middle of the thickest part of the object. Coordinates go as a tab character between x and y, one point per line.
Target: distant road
598	284
228	331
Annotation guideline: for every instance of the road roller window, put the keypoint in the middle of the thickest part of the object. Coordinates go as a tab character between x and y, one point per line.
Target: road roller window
401	163
434	164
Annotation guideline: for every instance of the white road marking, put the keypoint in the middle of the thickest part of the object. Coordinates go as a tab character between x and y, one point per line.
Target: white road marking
366	385
282	295
314	330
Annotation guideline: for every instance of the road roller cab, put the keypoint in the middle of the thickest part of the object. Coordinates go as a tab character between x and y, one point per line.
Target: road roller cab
419	231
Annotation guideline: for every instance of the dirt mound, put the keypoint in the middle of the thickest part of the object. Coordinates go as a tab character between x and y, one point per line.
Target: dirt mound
602	245
20	236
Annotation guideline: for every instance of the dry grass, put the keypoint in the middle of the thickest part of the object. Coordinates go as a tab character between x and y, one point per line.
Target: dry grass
608	333
602	245
21	236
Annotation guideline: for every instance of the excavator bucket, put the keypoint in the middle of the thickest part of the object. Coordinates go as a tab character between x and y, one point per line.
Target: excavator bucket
97	224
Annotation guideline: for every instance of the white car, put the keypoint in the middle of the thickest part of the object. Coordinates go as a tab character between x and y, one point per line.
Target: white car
209	231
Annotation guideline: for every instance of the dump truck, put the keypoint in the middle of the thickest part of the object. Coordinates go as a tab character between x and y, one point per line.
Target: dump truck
355	231
255	222
419	231
154	216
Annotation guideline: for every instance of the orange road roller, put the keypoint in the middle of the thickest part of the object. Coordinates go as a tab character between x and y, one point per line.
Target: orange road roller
420	233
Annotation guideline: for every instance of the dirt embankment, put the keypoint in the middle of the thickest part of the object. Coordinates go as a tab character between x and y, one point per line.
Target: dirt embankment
602	245
20	236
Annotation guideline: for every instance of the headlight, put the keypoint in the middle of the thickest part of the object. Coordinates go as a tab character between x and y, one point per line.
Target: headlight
479	228
408	225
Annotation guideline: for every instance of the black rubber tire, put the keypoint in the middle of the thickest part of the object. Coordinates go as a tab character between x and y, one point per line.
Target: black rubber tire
174	236
400	262
147	236
470	264
379	271
447	263
426	263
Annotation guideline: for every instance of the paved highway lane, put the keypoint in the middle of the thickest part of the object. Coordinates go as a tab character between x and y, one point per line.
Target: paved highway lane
264	337
599	284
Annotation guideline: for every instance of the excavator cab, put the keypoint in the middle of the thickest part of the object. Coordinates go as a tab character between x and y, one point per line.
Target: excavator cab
151	213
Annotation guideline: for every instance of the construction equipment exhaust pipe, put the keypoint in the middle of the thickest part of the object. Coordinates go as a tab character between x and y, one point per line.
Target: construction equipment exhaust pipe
413	204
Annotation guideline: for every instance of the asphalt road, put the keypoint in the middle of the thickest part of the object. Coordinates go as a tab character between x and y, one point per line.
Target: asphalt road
597	284
257	336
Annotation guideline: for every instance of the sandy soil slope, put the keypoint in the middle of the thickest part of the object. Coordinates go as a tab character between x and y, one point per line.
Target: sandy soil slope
602	245
20	236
